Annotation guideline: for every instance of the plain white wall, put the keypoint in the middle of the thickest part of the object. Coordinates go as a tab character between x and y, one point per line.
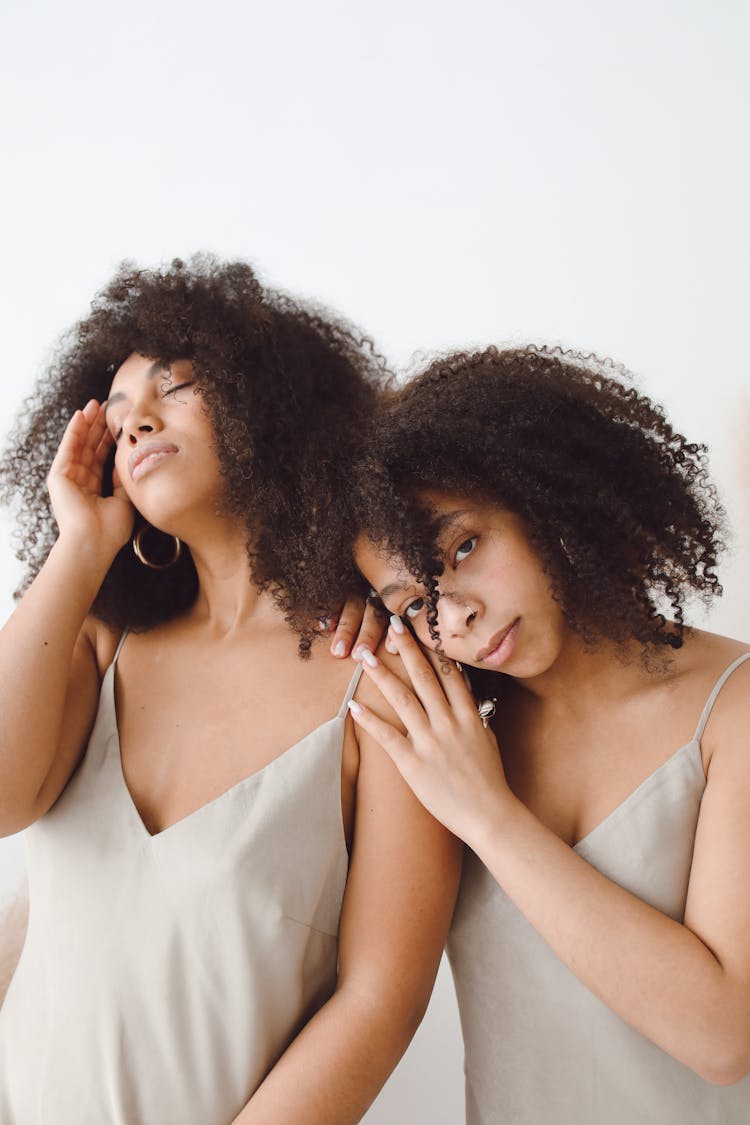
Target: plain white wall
444	174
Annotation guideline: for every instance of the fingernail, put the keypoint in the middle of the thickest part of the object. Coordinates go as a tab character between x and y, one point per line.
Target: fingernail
339	649
397	624
354	707
390	647
369	658
357	654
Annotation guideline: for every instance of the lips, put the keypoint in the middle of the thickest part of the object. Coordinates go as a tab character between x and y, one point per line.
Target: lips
147	456
499	647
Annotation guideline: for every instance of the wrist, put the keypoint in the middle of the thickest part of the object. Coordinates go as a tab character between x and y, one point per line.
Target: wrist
88	561
497	820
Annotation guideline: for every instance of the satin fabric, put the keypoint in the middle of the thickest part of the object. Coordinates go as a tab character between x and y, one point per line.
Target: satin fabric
540	1048
162	976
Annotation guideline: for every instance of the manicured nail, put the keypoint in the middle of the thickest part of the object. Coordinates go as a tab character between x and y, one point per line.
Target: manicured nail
357	654
390	647
369	658
354	707
339	649
397	625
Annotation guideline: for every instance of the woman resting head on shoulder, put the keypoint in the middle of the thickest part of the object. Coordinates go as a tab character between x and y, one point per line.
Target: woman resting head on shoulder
528	513
237	907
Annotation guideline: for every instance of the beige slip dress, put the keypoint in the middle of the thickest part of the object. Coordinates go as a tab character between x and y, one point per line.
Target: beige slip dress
162	976
540	1049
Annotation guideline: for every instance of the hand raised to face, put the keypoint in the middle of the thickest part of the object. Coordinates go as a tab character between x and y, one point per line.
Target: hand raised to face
447	756
75	485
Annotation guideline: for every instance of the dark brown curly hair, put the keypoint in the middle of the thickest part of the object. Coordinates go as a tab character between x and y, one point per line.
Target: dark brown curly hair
285	385
618	506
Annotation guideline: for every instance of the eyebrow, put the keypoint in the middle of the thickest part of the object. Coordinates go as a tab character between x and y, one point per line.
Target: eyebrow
394	588
445	523
118	396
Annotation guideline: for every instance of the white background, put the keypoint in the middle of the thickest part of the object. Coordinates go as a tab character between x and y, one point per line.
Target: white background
444	174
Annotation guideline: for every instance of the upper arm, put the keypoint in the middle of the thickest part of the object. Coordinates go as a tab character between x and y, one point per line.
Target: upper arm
402	884
81	700
718	903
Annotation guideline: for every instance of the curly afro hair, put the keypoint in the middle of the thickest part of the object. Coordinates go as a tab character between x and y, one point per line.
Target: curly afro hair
617	505
285	386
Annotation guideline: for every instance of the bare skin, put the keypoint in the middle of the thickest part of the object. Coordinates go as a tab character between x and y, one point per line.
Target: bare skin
226	667
578	731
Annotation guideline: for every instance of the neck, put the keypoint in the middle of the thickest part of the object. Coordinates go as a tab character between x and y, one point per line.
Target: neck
584	676
227	597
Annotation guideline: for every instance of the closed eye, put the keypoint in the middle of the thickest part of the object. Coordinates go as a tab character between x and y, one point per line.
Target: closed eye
179	387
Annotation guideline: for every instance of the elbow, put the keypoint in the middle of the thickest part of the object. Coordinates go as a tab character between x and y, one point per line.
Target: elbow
18	812
394	1016
407	1008
22	806
10	824
413	1015
15	816
726	1072
726	1064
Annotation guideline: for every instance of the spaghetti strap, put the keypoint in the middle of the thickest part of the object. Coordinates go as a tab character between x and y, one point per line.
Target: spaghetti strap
712	697
343	709
120	643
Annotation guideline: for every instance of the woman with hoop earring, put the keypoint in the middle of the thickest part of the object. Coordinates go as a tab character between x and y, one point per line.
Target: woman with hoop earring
237	906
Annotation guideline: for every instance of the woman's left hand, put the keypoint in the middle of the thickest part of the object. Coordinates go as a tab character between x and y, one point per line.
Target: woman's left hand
449	759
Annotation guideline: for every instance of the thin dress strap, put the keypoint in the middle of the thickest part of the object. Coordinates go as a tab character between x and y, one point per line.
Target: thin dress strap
343	709
712	697
120	643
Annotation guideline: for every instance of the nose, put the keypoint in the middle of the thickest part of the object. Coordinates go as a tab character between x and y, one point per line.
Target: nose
457	613
141	420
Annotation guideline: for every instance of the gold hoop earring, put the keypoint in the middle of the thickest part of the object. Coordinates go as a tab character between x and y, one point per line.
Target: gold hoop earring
139	553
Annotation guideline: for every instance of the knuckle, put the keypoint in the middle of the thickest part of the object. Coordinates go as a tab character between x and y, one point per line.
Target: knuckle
424	676
402	697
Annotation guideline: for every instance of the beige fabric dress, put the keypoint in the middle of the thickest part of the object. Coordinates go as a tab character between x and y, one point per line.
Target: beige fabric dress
540	1048
163	975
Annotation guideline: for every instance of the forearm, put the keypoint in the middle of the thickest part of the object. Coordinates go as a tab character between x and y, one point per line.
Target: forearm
336	1066
652	971
36	648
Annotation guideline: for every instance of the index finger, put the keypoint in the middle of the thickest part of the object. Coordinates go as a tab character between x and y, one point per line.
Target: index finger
449	674
425	677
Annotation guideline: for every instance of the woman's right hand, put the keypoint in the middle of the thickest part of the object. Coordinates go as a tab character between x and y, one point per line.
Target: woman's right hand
75	485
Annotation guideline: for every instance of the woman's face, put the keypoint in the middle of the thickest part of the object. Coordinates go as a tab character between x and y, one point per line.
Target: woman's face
165	455
495	609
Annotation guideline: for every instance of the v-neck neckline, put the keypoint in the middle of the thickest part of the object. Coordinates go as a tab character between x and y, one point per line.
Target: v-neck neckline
693	744
244	782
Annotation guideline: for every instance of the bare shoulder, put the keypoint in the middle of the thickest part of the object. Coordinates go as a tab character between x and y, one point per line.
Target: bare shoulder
709	657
